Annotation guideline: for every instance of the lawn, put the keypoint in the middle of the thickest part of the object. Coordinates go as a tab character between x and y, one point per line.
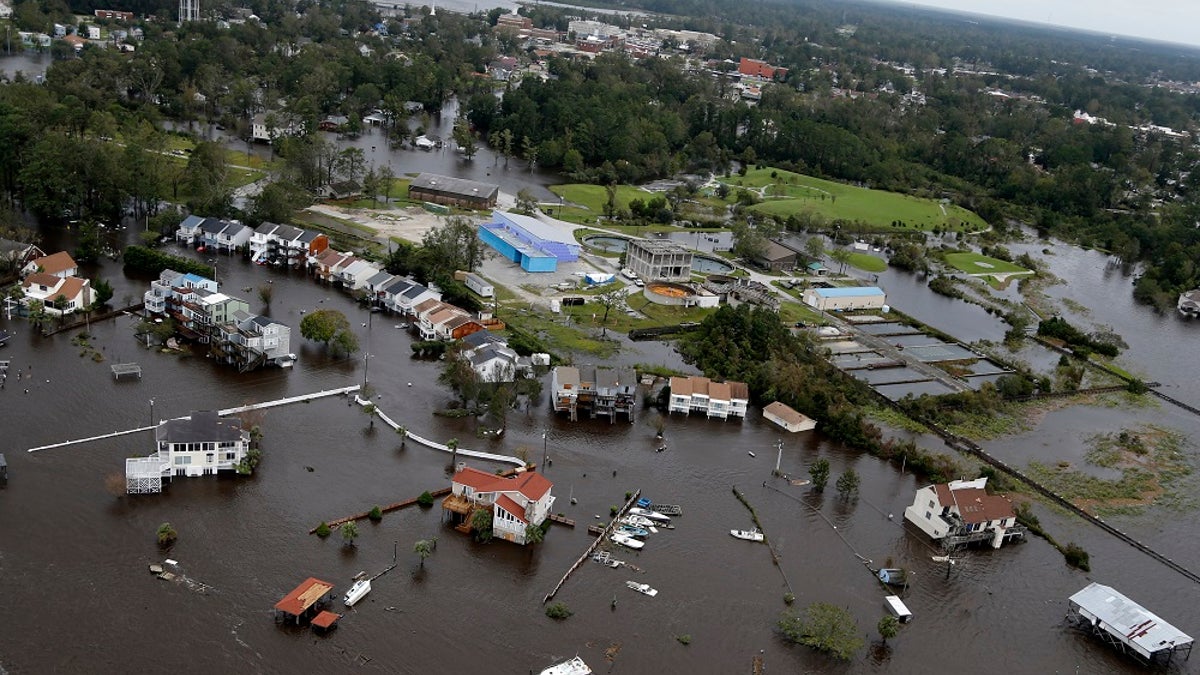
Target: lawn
789	193
866	262
593	197
974	263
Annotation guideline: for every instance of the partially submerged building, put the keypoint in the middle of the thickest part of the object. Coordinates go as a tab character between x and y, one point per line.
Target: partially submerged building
712	399
658	260
1126	625
431	187
962	512
515	503
788	417
596	391
199	445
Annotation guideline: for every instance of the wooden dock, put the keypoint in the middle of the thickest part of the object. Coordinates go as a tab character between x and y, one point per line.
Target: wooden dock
668	509
385	509
561	520
756	665
588	553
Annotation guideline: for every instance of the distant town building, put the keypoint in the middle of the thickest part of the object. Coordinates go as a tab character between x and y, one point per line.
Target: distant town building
962	512
762	69
513	21
777	257
431	187
658	260
113	14
189	10
845	298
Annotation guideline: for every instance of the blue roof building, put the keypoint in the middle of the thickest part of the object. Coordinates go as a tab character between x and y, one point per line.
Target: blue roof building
535	245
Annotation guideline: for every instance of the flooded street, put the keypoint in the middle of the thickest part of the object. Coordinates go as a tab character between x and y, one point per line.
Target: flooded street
73	556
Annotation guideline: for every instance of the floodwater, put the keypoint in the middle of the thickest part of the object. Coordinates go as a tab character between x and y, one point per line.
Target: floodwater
73	556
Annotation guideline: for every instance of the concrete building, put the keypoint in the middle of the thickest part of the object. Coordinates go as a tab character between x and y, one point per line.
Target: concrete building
848	298
189	10
431	187
657	260
962	512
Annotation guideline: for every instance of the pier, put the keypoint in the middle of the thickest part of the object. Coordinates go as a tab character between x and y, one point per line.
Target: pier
588	553
506	459
223	413
441	492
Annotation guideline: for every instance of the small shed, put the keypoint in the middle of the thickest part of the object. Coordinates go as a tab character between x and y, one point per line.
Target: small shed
305	600
325	621
895	606
787	417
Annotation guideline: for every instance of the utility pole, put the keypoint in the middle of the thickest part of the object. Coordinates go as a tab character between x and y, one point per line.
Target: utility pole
366	363
545	447
151	412
778	457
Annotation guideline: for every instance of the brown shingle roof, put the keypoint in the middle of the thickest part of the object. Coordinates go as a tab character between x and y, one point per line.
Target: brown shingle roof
718	391
56	264
40	279
975	505
681	386
785	413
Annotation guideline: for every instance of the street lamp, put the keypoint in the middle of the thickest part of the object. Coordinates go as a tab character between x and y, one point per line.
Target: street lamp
151	412
214	266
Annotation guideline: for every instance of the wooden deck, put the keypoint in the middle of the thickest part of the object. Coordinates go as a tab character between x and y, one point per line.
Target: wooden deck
385	509
561	520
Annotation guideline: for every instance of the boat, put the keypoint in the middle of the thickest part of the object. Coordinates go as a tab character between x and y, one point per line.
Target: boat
943	558
574	666
643	503
652	515
356	592
626	540
639	532
644	589
638	521
751	454
748	535
893	576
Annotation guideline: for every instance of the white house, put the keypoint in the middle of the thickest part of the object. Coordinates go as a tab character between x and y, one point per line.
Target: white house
263	132
962	512
261	239
60	265
71	293
496	362
788	418
715	399
189	230
163	295
405	296
515	503
199	445
249	341
355	275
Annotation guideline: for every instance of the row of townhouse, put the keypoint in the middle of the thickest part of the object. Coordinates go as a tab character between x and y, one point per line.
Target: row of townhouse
598	391
235	335
437	320
51	280
269	243
714	399
213	234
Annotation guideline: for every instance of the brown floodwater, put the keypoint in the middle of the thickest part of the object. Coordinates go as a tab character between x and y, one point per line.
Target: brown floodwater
78	597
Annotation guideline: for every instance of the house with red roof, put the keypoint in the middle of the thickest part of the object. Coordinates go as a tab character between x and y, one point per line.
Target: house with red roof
58	295
515	502
60	265
962	512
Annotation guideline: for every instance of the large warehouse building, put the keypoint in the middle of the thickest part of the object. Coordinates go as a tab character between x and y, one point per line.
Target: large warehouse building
850	298
535	245
431	187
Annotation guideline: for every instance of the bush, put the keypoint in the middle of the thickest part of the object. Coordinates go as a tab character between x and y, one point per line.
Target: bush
142	259
323	530
789	598
425	499
612	511
1077	557
823	627
376	514
684	639
166	534
558	611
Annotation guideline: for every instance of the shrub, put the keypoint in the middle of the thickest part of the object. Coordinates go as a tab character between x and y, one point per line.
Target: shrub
558	611
425	499
166	534
612	511
142	259
789	598
376	514
1077	557
823	627
323	530
684	639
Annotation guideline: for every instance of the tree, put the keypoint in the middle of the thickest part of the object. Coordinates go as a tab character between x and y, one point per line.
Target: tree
205	180
386	176
464	138
841	256
529	150
166	534
376	514
277	201
424	549
526	203
824	627
453	445
608	300
103	292
888	627
815	247
534	534
330	327
847	483
481	522
819	472
265	293
349	533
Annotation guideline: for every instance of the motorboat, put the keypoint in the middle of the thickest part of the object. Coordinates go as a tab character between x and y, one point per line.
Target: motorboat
644	589
644	503
638	521
748	535
633	530
652	515
626	540
356	592
574	666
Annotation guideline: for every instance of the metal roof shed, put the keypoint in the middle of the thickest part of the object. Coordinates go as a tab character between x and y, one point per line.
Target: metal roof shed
1126	624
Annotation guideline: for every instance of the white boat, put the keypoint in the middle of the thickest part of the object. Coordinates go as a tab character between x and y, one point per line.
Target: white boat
356	592
626	541
652	515
638	521
644	589
748	535
751	454
575	666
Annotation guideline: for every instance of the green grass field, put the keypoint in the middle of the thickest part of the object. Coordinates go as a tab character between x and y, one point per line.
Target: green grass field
788	193
585	202
866	262
974	263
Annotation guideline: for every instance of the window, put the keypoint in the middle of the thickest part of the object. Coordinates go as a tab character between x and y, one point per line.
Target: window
208	458
931	504
183	459
928	516
231	455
